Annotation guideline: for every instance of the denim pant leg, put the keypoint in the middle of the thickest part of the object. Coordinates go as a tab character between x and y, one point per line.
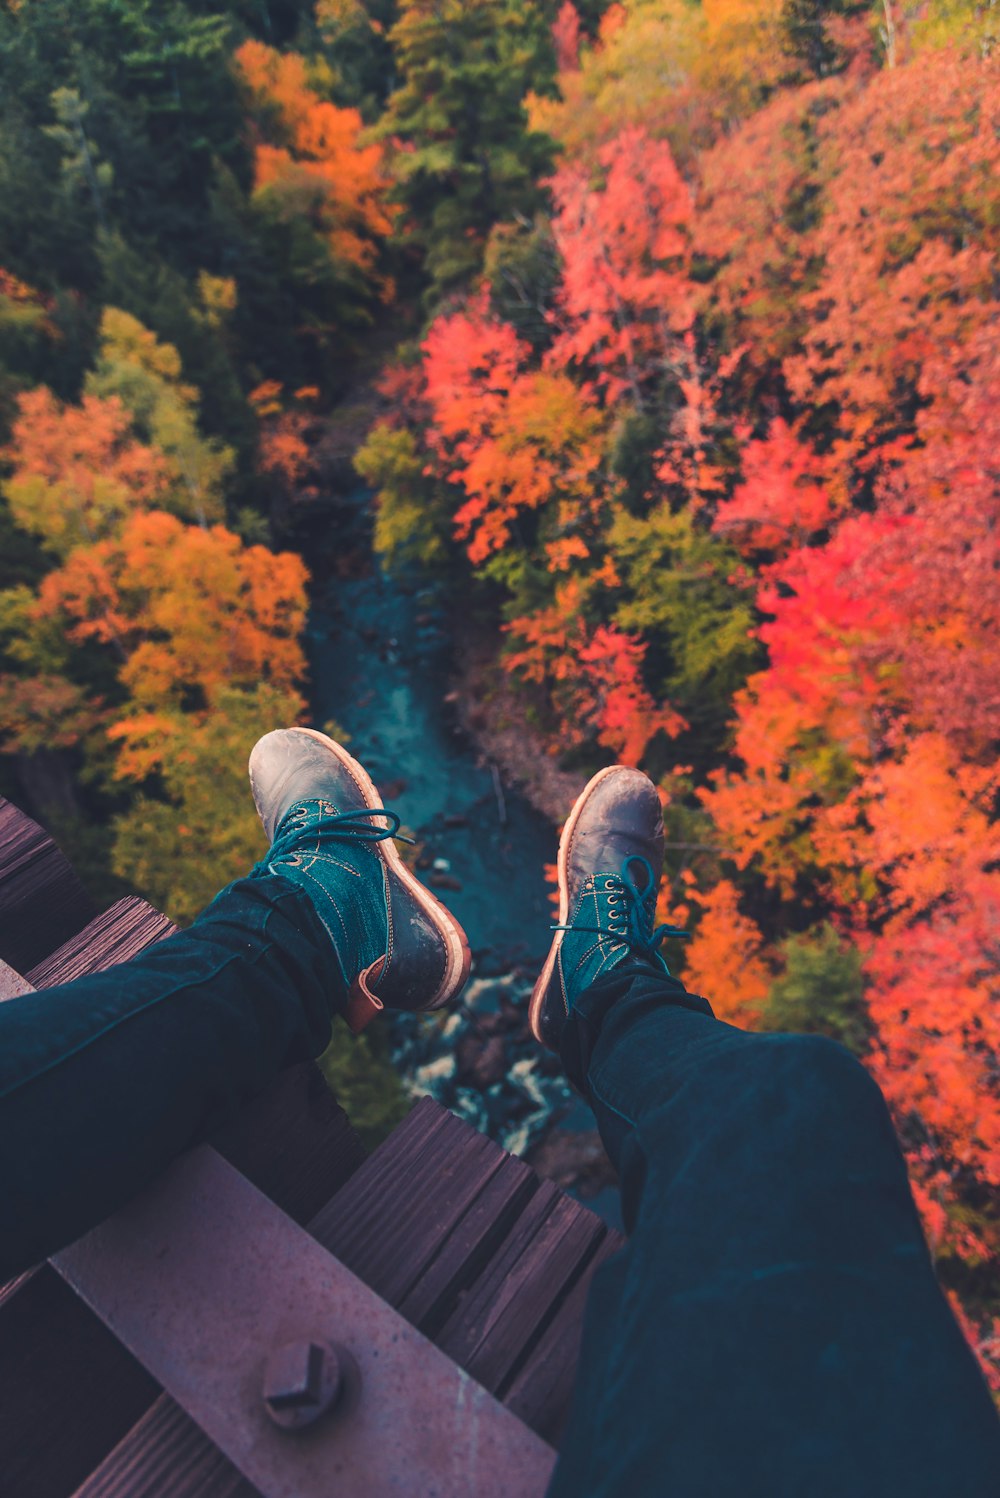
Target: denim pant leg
104	1080
774	1326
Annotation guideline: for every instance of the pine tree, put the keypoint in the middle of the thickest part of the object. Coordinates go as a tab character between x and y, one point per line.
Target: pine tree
464	155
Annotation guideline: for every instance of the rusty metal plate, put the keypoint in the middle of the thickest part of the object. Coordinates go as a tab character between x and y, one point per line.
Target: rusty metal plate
202	1277
12	985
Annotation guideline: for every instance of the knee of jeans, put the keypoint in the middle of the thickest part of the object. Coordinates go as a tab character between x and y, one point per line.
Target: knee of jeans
821	1076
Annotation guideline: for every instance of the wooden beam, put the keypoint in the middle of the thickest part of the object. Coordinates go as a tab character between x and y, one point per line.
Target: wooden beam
56	1355
203	1277
465	1211
124	930
42	902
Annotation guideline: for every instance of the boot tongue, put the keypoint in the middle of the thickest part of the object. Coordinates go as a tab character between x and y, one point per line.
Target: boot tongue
301	812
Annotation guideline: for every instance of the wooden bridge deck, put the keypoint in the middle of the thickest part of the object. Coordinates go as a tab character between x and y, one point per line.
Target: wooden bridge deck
491	1263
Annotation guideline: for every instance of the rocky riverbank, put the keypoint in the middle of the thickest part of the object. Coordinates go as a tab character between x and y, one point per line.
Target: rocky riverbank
497	719
481	1061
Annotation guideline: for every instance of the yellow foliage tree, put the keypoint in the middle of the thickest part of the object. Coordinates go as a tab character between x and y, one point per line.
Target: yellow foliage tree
146	376
678	70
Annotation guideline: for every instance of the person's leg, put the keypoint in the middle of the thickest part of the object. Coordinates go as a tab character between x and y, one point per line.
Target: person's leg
774	1326
103	1081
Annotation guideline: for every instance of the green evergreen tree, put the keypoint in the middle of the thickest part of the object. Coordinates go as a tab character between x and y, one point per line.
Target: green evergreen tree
353	37
466	158
821	991
522	271
677	591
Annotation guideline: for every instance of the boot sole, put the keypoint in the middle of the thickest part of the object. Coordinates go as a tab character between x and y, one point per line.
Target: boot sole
459	953
541	988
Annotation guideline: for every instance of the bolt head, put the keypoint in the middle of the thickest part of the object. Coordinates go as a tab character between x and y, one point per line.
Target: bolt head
302	1381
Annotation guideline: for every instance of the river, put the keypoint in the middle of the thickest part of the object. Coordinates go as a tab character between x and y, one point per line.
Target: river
381	659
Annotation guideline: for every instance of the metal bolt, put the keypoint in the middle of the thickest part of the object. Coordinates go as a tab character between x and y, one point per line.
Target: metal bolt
303	1380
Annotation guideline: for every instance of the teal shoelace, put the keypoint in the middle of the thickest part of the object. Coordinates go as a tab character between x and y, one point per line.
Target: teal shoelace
345	826
630	922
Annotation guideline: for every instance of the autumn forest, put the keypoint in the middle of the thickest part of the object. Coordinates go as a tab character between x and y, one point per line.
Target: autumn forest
677	324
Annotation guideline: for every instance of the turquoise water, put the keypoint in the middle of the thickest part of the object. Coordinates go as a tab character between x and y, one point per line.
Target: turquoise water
380	669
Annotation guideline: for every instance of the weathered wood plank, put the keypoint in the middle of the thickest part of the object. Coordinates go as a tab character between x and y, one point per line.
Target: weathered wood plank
512	1302
124	930
463	1256
42	903
541	1391
391	1219
496	1253
488	1256
166	1455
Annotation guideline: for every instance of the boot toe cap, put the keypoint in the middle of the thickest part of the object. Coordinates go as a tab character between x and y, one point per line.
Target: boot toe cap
292	764
621	818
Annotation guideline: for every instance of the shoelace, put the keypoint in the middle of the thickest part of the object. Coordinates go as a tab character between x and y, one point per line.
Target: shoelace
347	826
632	923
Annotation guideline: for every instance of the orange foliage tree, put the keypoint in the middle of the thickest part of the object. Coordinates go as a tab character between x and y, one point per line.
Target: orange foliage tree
314	165
189	613
77	472
514	439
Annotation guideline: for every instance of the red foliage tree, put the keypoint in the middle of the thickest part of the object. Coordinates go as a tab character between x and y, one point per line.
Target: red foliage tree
515	439
783	501
624	297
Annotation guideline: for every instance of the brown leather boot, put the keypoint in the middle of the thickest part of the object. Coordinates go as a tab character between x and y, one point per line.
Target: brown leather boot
397	946
610	861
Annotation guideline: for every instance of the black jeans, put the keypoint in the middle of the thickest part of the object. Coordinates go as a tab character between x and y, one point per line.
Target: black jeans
773	1326
105	1080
